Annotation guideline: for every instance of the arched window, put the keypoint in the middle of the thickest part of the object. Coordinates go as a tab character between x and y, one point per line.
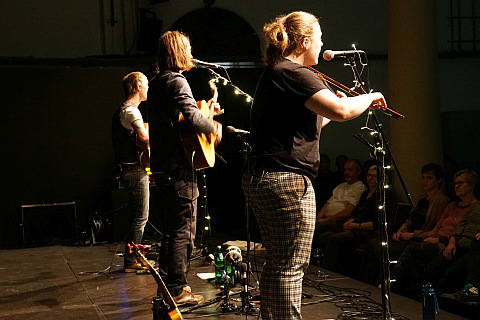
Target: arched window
220	35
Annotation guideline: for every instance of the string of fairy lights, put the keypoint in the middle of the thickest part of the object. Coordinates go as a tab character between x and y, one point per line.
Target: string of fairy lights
227	82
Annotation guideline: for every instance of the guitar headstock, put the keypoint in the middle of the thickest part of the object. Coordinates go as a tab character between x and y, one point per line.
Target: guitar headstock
214	88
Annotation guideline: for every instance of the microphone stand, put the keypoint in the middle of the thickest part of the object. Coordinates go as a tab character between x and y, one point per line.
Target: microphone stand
247	306
378	151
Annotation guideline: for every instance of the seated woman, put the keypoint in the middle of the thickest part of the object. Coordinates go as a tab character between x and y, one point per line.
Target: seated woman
447	271
421	220
469	294
356	231
408	273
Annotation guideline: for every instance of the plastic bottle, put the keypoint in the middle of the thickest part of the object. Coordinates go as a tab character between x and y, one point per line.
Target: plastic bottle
230	272
219	267
429	302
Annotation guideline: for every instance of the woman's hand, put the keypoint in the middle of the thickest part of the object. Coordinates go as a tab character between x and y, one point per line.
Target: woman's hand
378	102
431	240
405	236
397	236
450	251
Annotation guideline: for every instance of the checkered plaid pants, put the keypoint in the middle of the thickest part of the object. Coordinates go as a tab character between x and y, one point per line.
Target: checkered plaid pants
284	205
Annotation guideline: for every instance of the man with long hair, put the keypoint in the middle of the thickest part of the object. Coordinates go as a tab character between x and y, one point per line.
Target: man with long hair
170	96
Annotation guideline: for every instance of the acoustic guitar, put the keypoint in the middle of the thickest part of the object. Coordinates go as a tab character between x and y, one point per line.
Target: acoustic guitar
199	148
172	310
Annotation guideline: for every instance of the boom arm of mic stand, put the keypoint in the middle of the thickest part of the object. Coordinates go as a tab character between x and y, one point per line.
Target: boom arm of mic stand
379	127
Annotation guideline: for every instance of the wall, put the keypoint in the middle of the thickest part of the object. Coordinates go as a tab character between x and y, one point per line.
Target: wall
58	110
58	146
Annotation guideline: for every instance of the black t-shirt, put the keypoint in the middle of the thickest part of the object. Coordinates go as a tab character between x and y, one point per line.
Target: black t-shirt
418	215
366	209
285	134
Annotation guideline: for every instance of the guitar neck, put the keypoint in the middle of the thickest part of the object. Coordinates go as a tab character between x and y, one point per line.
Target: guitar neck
174	313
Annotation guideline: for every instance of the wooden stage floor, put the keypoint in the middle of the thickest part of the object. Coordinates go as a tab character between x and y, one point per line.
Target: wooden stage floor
61	282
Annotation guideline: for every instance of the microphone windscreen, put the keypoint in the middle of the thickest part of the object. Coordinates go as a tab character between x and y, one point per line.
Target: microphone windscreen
328	55
243	267
230	129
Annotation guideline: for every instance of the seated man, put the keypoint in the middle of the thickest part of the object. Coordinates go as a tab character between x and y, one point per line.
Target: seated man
342	203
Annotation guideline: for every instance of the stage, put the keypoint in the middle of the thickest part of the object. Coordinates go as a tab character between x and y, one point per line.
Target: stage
88	282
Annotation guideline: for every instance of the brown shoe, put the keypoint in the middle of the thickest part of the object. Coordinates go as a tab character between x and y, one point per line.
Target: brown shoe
188	298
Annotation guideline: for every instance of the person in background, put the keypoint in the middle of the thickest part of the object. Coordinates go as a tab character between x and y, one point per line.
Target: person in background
341	204
325	182
356	231
421	220
338	176
128	135
447	271
409	270
470	266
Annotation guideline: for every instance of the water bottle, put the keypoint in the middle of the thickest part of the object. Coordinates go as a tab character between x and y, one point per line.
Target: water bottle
219	267
429	302
230	272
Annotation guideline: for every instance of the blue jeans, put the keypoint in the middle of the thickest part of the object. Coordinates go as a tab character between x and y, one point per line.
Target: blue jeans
178	193
135	180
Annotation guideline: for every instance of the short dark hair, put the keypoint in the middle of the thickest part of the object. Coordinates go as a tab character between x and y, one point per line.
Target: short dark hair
434	168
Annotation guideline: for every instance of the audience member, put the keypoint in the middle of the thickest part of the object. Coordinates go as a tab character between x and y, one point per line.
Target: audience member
447	271
408	272
345	197
340	161
356	231
421	220
325	182
469	293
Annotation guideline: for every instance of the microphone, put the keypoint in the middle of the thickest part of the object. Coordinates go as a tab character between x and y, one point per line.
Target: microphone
206	64
329	54
231	129
243	274
244	284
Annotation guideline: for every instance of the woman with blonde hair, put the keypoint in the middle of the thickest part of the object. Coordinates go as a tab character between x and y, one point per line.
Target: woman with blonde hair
290	107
